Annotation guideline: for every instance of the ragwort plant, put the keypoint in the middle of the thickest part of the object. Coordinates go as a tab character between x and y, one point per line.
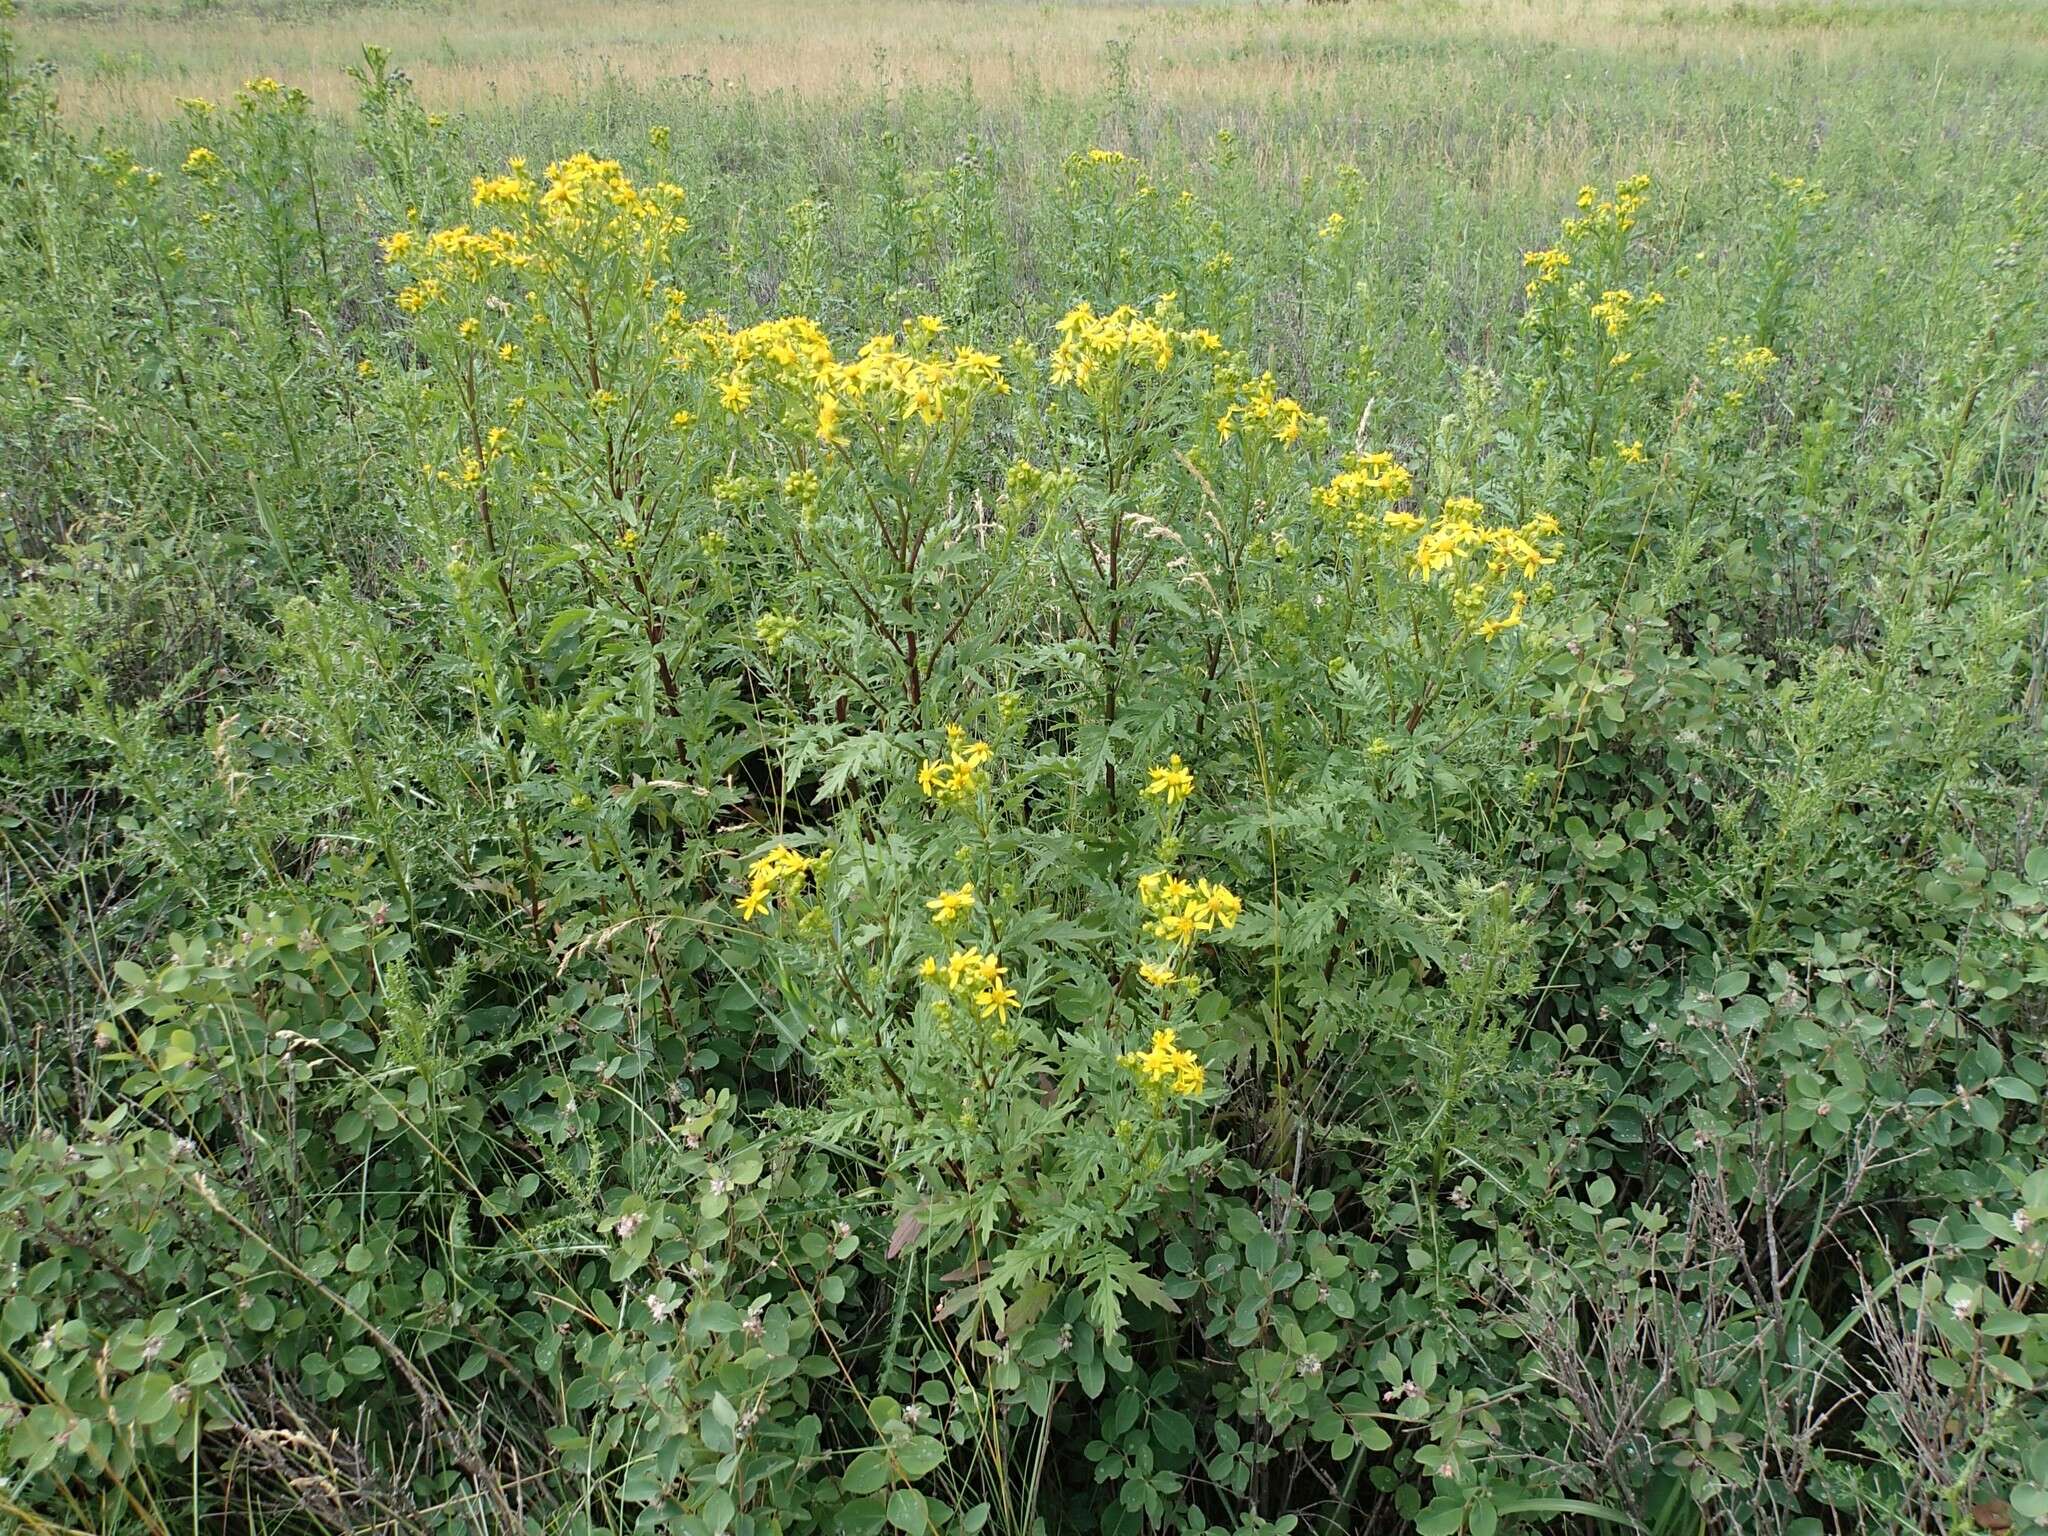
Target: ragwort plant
628	910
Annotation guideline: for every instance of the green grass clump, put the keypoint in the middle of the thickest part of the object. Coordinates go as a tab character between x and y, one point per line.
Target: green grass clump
1066	809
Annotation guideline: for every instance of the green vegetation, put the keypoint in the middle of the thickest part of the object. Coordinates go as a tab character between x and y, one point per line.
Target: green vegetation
1292	791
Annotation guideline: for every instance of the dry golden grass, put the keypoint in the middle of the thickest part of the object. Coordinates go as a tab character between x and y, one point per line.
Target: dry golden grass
132	60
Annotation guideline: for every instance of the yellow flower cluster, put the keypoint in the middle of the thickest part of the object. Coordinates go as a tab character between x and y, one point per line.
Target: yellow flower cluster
780	872
1098	159
1094	347
1798	190
202	162
1181	911
1165	1068
1476	557
980	978
1172	783
948	907
1747	361
957	777
886	381
1549	266
1458	534
1258	412
581	206
1372	480
1617	213
1618	310
1745	357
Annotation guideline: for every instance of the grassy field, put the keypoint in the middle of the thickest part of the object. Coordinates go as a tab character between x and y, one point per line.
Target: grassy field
129	60
979	767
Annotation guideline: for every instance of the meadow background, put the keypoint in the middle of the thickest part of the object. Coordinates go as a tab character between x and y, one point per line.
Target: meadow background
1351	843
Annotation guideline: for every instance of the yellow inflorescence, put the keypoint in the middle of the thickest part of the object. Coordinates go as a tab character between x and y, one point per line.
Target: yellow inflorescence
887	381
958	777
1548	266
1618	310
1093	349
980	978
1165	1068
1259	413
1172	782
579	207
948	907
1181	911
780	872
1373	481
1458	535
1617	213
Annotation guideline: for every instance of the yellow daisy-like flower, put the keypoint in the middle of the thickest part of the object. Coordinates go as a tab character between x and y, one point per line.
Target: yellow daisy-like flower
1165	1068
957	777
1217	905
735	393
995	1001
1172	783
948	907
781	871
1156	975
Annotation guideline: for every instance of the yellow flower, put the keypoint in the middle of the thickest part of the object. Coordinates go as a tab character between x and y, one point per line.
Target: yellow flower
201	162
828	420
735	393
956	778
948	907
1166	1069
1216	905
1155	975
1372	480
1258	411
781	871
1501	626
995	1001
976	976
1174	783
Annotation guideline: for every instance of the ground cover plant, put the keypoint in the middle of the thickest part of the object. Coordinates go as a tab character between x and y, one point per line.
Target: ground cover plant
1136	805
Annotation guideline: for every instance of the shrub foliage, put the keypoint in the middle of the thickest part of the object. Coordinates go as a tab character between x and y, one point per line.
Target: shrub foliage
630	906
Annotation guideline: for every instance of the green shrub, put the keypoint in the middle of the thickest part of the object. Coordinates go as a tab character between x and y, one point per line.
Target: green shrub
624	911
